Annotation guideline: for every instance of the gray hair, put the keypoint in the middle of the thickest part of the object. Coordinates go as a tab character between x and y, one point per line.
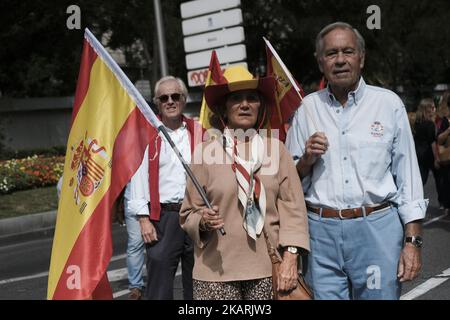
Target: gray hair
338	25
183	87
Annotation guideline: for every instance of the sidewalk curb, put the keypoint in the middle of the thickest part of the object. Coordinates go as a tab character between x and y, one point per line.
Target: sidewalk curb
28	226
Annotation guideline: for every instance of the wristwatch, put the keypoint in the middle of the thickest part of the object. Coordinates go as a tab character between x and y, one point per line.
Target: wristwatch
291	249
417	241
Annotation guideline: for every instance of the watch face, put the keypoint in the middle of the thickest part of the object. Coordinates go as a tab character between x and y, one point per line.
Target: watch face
418	242
415	240
292	249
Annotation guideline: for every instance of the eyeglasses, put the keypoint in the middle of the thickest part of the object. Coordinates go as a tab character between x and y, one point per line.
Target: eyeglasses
174	96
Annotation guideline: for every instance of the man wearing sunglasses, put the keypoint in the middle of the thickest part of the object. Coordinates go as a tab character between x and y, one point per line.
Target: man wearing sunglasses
153	199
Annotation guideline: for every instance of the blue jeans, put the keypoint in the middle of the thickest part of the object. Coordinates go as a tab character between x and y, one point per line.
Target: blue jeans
135	251
355	258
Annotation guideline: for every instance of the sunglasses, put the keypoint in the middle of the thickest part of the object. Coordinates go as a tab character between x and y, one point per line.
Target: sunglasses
174	96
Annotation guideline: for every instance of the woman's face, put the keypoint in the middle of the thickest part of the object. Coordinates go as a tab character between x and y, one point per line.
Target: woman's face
242	109
429	112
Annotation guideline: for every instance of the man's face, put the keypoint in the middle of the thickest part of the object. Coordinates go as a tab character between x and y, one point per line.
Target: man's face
340	60
170	100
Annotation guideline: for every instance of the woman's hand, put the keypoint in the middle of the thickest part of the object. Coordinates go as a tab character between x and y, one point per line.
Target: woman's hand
287	272
211	220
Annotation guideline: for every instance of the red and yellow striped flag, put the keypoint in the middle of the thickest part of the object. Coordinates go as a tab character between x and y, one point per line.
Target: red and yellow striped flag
107	140
289	94
322	83
215	76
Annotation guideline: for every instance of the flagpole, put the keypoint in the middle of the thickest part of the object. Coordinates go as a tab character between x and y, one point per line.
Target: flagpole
144	108
291	80
200	190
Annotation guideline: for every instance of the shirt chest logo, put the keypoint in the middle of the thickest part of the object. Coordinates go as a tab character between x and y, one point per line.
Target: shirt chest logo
376	129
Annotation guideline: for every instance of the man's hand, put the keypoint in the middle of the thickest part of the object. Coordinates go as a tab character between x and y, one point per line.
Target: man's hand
410	263
287	272
148	230
315	147
211	219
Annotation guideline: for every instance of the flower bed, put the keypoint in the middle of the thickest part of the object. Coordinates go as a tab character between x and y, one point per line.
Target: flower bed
31	172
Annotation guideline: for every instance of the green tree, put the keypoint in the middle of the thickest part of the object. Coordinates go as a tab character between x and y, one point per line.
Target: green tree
40	56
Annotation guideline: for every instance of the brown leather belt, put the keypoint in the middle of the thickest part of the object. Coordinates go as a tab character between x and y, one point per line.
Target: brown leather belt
347	213
171	206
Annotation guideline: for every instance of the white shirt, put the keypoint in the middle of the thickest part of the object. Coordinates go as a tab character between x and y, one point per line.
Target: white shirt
172	176
371	155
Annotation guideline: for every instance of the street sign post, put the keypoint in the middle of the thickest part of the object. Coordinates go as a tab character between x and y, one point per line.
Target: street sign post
225	55
197	77
199	7
214	39
209	25
212	22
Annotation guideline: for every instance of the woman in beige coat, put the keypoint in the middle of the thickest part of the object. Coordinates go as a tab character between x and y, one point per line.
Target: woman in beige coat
252	183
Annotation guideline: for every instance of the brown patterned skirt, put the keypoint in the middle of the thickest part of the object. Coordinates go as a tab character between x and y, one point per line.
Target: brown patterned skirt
257	289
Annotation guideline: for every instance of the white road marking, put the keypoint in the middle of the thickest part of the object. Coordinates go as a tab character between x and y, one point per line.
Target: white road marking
427	286
120	293
45	274
113	276
435	219
126	291
34	276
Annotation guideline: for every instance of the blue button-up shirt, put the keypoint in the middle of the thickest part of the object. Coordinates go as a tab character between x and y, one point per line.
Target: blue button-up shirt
371	156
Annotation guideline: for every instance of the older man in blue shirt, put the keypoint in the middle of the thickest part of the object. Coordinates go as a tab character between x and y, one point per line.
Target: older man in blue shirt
355	155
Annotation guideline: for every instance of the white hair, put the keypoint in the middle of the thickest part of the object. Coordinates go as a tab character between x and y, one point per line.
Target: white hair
183	87
338	25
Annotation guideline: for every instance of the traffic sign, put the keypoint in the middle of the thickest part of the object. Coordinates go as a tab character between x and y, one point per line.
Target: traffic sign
199	7
214	39
212	22
198	77
225	55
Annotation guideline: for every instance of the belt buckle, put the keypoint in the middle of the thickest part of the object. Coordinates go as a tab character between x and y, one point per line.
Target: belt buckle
341	216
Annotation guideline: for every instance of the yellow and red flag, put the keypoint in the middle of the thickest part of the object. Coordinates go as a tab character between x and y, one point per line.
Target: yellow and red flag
289	94
322	83
215	76
108	136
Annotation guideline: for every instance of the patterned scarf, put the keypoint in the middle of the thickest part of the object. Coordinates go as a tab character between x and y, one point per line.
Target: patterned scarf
251	192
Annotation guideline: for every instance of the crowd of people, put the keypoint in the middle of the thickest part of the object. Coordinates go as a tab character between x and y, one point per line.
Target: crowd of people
430	127
345	194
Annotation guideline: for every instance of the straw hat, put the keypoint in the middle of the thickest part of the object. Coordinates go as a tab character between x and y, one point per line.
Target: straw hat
239	78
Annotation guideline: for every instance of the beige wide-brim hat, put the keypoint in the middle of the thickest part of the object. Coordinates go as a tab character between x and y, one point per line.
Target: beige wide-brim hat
239	78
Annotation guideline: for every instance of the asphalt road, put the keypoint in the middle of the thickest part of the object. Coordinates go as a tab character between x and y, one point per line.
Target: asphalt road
24	265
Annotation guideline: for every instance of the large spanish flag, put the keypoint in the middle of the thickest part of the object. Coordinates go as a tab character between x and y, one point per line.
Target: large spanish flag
289	94
215	76
107	140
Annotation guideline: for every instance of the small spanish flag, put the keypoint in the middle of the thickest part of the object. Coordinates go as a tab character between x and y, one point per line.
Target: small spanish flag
107	140
289	94
215	76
